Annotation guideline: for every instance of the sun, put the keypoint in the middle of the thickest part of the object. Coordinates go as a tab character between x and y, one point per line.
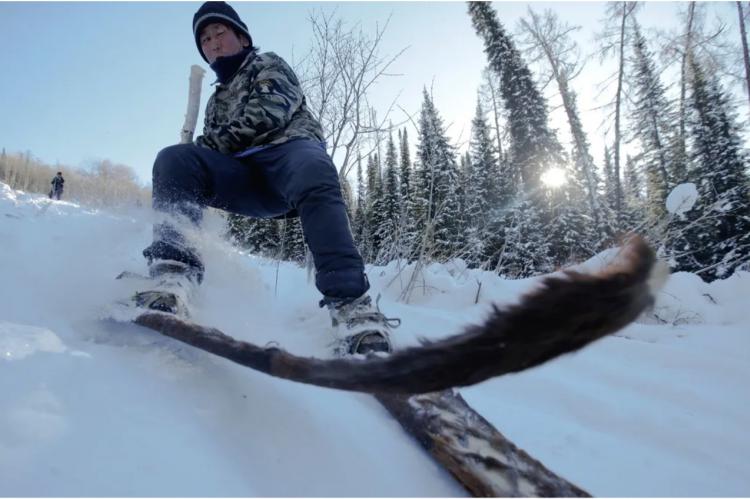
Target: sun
554	177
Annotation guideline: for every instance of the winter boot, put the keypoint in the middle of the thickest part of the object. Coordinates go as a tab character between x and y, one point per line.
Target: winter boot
174	284
361	324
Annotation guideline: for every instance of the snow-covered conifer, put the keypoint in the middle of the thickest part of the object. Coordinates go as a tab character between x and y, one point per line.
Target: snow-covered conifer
435	195
359	222
534	148
374	206
256	235
714	237
525	250
548	39
388	228
653	121
292	240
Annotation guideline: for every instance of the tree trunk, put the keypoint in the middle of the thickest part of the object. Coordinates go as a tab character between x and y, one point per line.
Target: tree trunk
618	101
496	117
576	130
745	54
683	72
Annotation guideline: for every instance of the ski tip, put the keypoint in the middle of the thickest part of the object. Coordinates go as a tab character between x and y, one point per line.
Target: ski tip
119	312
635	264
127	274
639	261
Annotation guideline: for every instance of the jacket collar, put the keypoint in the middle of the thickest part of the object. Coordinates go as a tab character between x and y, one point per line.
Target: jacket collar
226	68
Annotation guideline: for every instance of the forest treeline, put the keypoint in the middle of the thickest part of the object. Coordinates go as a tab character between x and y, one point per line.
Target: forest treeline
519	201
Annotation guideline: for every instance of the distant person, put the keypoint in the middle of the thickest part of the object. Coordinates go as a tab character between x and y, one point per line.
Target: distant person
262	154
57	186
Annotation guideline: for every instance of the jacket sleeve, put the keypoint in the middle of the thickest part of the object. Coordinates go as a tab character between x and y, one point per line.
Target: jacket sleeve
274	96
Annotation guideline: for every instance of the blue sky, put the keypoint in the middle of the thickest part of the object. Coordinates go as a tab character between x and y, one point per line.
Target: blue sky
90	80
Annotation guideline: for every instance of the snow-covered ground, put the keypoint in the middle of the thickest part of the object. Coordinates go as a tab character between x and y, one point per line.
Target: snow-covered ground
87	408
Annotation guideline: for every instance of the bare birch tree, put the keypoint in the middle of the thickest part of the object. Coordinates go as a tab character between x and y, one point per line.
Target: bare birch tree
707	41
103	184
338	74
547	39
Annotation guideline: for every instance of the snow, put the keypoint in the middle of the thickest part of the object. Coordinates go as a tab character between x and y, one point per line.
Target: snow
18	341
682	198
93	408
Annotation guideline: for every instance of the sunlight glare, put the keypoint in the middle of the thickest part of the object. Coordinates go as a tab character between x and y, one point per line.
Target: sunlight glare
554	177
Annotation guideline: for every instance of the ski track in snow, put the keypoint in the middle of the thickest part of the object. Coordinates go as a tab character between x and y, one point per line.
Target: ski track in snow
94	408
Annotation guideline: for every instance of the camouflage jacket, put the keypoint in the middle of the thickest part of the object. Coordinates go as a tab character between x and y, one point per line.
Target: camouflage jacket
261	105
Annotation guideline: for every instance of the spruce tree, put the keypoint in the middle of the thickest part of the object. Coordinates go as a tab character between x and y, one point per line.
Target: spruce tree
525	248
374	206
405	168
571	232
256	235
549	39
388	228
481	186
483	173
292	240
714	239
436	197
534	147
359	222
634	205
410	235
653	121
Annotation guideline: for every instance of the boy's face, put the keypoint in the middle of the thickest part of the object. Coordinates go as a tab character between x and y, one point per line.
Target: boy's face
218	40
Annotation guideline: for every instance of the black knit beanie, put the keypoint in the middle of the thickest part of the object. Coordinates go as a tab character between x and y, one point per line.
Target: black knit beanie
217	12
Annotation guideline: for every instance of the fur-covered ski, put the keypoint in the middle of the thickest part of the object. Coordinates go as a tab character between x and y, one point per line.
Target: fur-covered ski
472	450
564	314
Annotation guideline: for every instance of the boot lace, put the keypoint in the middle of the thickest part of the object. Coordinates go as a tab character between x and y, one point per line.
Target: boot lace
360	311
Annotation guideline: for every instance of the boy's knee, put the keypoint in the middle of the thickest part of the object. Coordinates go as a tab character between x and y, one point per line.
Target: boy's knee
315	174
172	160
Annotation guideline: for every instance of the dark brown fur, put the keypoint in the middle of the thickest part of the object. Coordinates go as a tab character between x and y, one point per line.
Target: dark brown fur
562	315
